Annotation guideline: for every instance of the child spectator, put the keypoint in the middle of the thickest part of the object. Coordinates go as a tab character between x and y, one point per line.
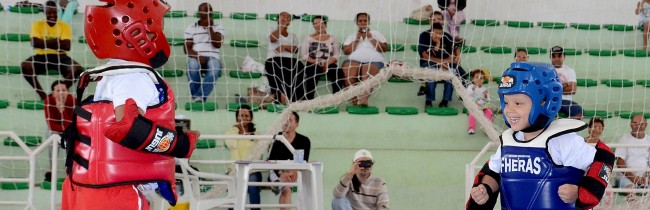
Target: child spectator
643	10
479	94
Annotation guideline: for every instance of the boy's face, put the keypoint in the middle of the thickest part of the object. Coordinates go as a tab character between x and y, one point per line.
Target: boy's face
438	19
477	79
517	109
521	56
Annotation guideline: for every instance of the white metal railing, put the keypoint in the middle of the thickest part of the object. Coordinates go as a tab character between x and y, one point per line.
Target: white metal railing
472	168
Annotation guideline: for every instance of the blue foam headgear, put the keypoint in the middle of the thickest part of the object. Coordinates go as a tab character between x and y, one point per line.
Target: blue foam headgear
538	81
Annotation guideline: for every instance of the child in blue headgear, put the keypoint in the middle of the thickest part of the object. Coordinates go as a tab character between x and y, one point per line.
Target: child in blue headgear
542	163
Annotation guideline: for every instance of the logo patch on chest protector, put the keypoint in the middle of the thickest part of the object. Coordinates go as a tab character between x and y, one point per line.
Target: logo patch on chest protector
161	141
604	173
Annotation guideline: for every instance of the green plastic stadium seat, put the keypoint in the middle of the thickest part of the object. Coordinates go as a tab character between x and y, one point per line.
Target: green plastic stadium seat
486	22
362	110
10	70
414	47
244	43
602	52
552	25
402	110
534	50
597	113
25	10
497	50
496	79
445	111
176	14
468	49
206	144
276	108
82	39
46	185
587	82
243	16
519	24
176	41
327	110
308	18
234	106
636	53
272	17
4	104
215	15
15	37
201	106
569	51
14	185
399	80
585	26
30	104
411	21
617	82
395	47
244	75
170	72
629	114
28	140
644	83
618	27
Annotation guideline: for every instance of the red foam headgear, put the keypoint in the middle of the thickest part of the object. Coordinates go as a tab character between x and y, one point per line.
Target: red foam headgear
128	29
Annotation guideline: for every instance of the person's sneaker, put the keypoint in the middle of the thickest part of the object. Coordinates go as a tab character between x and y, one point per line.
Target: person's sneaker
48	176
443	103
471	132
197	100
422	89
427	104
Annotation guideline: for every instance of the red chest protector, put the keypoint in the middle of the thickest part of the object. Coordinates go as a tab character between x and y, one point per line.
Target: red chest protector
95	161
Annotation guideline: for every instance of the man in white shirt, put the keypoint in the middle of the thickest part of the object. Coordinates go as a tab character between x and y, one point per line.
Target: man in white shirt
202	43
569	84
633	157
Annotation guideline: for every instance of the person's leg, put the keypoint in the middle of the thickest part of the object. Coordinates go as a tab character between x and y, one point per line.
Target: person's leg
312	74
575	110
351	72
341	204
448	92
564	108
254	191
336	78
272	78
489	114
69	69
368	71
285	197
194	77
646	33
211	76
30	68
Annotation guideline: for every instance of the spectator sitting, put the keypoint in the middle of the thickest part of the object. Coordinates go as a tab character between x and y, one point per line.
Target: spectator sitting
569	84
50	39
66	9
643	10
364	50
280	152
596	127
521	55
454	18
202	45
242	148
321	51
284	71
438	52
633	157
358	189
422	14
479	94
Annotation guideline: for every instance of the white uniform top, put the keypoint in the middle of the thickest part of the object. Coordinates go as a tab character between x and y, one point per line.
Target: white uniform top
634	157
200	36
563	150
478	95
290	39
365	51
118	88
566	74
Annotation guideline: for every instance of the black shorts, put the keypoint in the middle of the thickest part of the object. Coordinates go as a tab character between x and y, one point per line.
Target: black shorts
42	63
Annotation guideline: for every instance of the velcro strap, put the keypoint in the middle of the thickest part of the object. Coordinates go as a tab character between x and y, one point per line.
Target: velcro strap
81	112
604	156
138	134
487	171
592	185
80	160
84	139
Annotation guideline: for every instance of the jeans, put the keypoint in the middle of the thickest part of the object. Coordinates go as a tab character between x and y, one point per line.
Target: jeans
254	191
431	86
341	204
198	89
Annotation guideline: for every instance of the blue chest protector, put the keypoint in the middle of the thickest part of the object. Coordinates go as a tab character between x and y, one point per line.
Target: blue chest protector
529	177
